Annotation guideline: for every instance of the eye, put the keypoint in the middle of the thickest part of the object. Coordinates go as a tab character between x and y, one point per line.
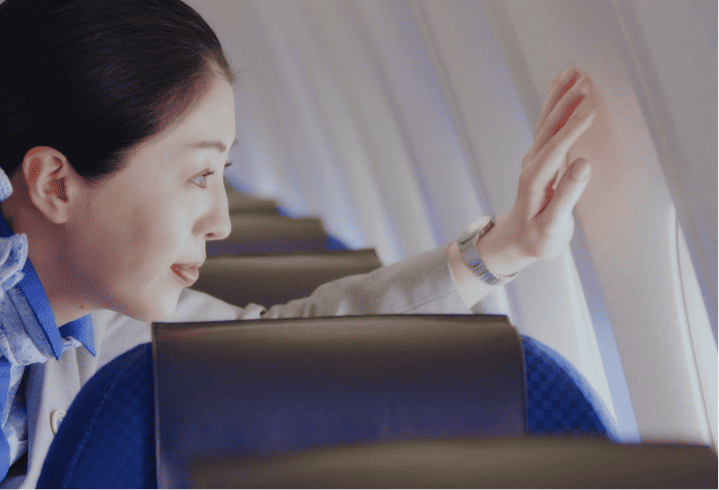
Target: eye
201	180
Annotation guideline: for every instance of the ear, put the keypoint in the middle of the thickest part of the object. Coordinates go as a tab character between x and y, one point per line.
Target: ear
53	185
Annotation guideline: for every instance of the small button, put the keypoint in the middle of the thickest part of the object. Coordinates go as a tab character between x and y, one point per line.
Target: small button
56	419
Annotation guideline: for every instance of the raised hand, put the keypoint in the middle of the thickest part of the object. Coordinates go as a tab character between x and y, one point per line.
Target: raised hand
541	223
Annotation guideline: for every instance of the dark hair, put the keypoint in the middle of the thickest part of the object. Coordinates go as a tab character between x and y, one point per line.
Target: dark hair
94	78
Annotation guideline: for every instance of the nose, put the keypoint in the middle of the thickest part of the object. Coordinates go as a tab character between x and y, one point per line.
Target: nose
218	224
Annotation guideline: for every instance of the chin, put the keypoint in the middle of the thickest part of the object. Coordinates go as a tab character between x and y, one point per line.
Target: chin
162	310
151	307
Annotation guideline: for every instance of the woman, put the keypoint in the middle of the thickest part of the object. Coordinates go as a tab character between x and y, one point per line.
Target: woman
116	119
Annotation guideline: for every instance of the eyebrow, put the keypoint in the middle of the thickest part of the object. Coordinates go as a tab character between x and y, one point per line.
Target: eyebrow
217	145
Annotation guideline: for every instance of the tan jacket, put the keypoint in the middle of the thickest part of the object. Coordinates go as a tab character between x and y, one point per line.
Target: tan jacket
421	284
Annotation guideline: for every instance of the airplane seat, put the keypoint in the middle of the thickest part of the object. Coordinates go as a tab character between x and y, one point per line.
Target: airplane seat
107	439
560	401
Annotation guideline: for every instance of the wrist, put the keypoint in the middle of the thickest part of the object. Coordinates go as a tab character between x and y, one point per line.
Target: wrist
499	251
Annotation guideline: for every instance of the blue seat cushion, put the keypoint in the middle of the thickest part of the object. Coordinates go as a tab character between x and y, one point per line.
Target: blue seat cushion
560	402
107	439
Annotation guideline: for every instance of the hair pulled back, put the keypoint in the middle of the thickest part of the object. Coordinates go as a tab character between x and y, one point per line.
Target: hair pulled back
94	78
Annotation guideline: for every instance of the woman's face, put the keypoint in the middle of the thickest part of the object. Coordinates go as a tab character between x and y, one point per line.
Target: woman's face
131	232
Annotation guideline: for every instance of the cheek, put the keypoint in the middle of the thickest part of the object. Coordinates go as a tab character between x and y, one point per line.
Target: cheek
147	242
132	242
153	239
127	243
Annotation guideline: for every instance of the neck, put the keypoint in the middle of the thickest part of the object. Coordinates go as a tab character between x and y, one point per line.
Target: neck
45	253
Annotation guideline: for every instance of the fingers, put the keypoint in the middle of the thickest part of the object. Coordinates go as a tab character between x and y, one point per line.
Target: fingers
553	155
561	112
560	85
568	192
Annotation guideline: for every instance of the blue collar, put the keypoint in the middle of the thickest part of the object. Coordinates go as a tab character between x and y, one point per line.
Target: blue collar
81	329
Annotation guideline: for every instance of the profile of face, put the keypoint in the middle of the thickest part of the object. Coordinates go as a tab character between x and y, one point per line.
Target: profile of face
126	237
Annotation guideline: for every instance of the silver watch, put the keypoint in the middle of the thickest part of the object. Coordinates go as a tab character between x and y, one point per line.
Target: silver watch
468	247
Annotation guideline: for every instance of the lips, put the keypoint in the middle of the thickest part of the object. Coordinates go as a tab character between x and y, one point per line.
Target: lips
189	273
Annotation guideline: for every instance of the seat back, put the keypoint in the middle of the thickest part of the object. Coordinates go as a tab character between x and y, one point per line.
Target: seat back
517	462
273	279
249	388
252	233
246	204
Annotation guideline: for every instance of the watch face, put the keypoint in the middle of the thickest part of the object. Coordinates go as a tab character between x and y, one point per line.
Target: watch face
481	226
480	223
466	237
488	223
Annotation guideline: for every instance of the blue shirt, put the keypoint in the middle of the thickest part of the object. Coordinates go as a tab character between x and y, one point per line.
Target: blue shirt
28	335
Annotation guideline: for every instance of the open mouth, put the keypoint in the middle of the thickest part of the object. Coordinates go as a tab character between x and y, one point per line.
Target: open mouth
188	273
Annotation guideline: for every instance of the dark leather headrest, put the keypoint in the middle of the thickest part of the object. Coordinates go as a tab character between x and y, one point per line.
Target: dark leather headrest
252	233
497	463
272	279
248	388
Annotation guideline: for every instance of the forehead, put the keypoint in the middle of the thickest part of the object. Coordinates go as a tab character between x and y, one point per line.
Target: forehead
210	120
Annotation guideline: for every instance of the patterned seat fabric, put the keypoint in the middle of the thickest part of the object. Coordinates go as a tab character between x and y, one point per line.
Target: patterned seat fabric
107	439
560	402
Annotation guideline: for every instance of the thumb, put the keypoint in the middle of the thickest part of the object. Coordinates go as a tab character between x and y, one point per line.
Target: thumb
580	169
569	190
